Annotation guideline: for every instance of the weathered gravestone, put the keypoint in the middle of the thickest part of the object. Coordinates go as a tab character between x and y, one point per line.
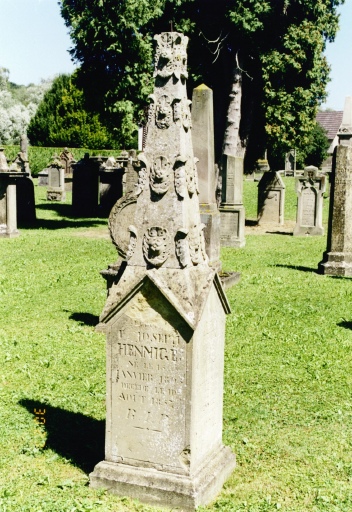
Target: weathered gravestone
25	199
290	163
310	189
43	178
85	186
110	185
271	199
131	175
8	202
232	213
165	322
67	159
203	146
56	181
337	259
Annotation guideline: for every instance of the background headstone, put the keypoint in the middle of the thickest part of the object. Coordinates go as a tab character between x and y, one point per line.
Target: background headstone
310	189
271	199
203	147
8	202
110	185
232	212
85	187
56	181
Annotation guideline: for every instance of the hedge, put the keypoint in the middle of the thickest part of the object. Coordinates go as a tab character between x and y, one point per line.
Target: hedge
39	157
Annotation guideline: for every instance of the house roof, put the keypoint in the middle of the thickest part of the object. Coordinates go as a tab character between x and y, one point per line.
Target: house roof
330	121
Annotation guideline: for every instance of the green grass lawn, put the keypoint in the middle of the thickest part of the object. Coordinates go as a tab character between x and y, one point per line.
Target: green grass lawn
288	360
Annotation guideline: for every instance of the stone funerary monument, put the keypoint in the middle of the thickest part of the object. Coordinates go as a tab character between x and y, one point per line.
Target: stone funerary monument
164	320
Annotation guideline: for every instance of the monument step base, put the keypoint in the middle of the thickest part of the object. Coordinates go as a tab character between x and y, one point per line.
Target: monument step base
6	234
233	242
336	266
153	487
229	279
308	231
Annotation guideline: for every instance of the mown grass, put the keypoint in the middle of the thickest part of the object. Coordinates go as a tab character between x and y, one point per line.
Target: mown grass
287	403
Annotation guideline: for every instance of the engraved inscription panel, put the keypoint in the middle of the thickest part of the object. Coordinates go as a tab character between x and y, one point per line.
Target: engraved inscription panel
271	208
54	177
148	393
309	199
229	225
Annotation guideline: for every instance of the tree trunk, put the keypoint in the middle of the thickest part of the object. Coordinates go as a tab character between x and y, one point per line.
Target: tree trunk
232	141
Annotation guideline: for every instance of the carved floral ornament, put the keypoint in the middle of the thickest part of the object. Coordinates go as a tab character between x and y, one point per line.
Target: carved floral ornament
142	166
190	246
171	55
156	245
133	242
186	176
166	110
160	175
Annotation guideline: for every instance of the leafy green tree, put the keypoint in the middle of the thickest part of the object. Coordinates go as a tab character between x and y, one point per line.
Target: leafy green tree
18	103
262	58
63	120
317	149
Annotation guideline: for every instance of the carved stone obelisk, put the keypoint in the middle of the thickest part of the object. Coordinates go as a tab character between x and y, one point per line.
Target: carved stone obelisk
337	259
164	320
203	146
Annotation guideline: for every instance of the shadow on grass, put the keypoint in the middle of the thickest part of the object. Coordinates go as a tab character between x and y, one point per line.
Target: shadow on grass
65	223
72	435
64	210
250	222
345	324
84	318
285	233
298	267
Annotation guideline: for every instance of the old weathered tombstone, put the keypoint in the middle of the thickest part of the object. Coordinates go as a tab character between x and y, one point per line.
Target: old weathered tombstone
43	178
165	322
290	163
67	159
232	212
203	147
337	259
271	199
8	197
25	199
310	189
85	186
131	174
110	185
56	181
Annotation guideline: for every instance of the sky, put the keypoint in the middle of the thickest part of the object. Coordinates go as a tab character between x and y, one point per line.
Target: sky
34	44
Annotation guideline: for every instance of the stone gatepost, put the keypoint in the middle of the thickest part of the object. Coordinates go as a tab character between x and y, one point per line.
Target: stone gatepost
232	213
271	199
310	189
8	202
337	259
164	320
203	147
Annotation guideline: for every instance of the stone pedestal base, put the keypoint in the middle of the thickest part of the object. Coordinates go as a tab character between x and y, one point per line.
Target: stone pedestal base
232	219
5	233
336	264
160	488
308	230
55	194
210	216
